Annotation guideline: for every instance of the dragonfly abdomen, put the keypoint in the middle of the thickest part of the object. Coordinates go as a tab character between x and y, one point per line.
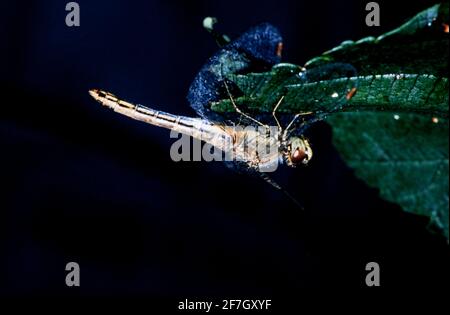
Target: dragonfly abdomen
195	127
253	146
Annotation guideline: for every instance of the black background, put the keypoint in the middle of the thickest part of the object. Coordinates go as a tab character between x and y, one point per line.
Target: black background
81	183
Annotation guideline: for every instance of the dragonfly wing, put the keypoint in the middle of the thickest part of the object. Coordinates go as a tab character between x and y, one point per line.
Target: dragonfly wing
322	91
242	167
255	50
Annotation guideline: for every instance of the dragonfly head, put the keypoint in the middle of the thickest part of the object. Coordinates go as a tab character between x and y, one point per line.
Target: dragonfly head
298	151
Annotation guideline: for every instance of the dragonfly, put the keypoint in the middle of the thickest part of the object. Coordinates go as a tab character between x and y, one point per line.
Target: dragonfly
257	50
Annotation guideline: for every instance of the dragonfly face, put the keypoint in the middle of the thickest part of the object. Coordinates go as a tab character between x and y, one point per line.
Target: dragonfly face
297	151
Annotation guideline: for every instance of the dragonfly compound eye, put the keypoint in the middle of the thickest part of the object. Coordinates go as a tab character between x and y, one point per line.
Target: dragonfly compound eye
299	156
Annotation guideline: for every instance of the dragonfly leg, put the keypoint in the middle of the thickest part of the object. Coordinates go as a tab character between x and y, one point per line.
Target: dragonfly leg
294	119
239	111
274	111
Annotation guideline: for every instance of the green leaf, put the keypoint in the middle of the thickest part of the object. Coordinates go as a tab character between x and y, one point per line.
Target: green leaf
418	46
394	131
404	155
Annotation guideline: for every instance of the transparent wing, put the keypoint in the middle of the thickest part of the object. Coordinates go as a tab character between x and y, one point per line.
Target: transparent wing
319	92
305	94
256	50
325	89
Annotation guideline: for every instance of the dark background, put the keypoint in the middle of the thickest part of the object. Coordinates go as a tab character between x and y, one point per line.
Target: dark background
81	183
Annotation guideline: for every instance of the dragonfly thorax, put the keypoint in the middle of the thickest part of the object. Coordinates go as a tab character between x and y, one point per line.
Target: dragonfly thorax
251	145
